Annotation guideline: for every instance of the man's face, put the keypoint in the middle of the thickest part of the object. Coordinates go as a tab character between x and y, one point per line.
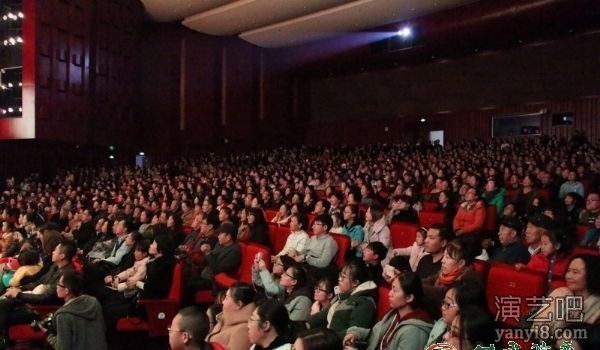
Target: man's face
433	243
592	203
506	235
176	336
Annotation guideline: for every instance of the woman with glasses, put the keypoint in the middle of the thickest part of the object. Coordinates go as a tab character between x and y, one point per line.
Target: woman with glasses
78	324
466	292
405	327
269	327
322	296
354	305
297	292
230	330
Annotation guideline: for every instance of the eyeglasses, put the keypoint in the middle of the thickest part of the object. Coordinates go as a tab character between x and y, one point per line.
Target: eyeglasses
317	224
342	276
169	329
60	285
290	276
446	305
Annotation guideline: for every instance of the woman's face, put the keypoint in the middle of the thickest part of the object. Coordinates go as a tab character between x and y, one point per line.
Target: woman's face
170	221
368	215
321	294
450	264
398	299
344	282
278	267
287	278
576	276
243	215
294	224
251	218
449	306
229	305
443	199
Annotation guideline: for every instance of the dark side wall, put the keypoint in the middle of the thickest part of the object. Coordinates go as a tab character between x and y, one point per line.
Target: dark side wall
200	93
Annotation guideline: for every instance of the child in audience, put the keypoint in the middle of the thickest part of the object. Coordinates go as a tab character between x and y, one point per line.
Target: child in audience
416	251
553	258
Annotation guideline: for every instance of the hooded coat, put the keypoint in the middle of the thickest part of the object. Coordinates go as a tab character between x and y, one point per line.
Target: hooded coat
79	325
409	334
356	308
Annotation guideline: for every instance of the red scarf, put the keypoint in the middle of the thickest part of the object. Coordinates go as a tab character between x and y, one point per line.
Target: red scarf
447	280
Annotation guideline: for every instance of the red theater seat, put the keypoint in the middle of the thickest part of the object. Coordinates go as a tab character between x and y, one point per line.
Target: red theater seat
383	302
403	234
160	312
508	289
343	243
428	218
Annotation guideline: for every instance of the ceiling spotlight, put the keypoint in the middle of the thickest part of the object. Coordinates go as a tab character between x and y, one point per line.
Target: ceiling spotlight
20	109
10	110
405	32
423	120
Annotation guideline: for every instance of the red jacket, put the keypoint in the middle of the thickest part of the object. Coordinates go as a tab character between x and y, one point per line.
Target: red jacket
470	220
540	262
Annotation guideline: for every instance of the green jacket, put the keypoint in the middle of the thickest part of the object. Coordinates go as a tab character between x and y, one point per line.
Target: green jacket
497	199
439	328
356	308
409	334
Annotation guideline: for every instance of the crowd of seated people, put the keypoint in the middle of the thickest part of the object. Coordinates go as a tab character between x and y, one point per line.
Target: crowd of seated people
126	227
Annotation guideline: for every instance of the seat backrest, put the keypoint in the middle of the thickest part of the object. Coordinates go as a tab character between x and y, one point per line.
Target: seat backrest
491	218
282	235
248	255
429	205
428	218
273	229
383	301
509	292
581	231
176	284
585	250
270	214
343	243
217	346
403	234
482	267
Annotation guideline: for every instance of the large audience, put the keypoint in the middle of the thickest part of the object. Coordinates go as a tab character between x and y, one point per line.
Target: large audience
106	237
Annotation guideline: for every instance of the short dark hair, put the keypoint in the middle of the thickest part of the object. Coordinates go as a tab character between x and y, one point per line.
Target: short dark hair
142	245
165	245
73	280
67	247
445	232
195	322
324	219
277	315
29	257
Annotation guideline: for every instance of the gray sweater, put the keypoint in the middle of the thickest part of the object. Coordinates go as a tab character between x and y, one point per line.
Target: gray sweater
79	325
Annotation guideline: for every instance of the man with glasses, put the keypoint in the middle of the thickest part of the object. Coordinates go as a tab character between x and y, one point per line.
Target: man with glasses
188	329
13	309
320	249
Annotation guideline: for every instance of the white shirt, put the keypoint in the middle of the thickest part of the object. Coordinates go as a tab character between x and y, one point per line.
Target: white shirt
295	241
